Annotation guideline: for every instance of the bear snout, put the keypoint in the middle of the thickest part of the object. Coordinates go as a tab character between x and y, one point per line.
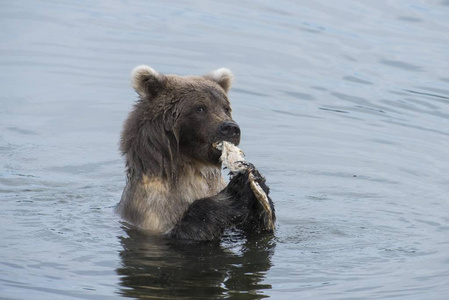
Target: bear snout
230	129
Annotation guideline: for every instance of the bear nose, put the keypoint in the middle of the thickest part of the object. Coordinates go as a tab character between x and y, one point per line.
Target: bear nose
230	129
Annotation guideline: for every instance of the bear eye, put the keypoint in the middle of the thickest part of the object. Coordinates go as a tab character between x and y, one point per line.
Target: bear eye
227	110
201	108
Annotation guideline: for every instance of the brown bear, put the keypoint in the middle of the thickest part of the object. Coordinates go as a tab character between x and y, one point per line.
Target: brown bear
174	182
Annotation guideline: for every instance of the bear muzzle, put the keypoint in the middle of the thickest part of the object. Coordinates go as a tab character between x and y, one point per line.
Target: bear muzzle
230	130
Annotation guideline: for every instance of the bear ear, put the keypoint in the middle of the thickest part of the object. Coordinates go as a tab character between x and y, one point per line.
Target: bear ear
147	82
221	76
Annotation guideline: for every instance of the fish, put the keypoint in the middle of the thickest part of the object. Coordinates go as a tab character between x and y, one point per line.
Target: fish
233	158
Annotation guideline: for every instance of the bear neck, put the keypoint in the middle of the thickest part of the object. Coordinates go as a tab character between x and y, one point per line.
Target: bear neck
190	184
205	180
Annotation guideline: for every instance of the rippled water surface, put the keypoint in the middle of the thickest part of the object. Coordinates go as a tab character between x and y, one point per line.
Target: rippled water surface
344	107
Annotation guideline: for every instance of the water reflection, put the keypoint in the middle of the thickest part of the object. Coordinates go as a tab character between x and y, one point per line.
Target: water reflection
153	268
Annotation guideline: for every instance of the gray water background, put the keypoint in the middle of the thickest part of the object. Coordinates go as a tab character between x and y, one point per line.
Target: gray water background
344	107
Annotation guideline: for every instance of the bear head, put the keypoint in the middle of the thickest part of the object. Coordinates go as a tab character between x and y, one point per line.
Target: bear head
176	121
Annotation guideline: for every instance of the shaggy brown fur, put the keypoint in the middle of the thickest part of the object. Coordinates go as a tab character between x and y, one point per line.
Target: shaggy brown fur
167	141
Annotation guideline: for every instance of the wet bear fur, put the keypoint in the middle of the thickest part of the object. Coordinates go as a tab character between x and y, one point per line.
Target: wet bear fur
174	181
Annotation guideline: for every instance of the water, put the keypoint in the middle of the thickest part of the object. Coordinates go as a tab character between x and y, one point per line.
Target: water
344	107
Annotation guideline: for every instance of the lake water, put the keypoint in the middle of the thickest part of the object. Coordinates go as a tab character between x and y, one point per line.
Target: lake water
343	105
